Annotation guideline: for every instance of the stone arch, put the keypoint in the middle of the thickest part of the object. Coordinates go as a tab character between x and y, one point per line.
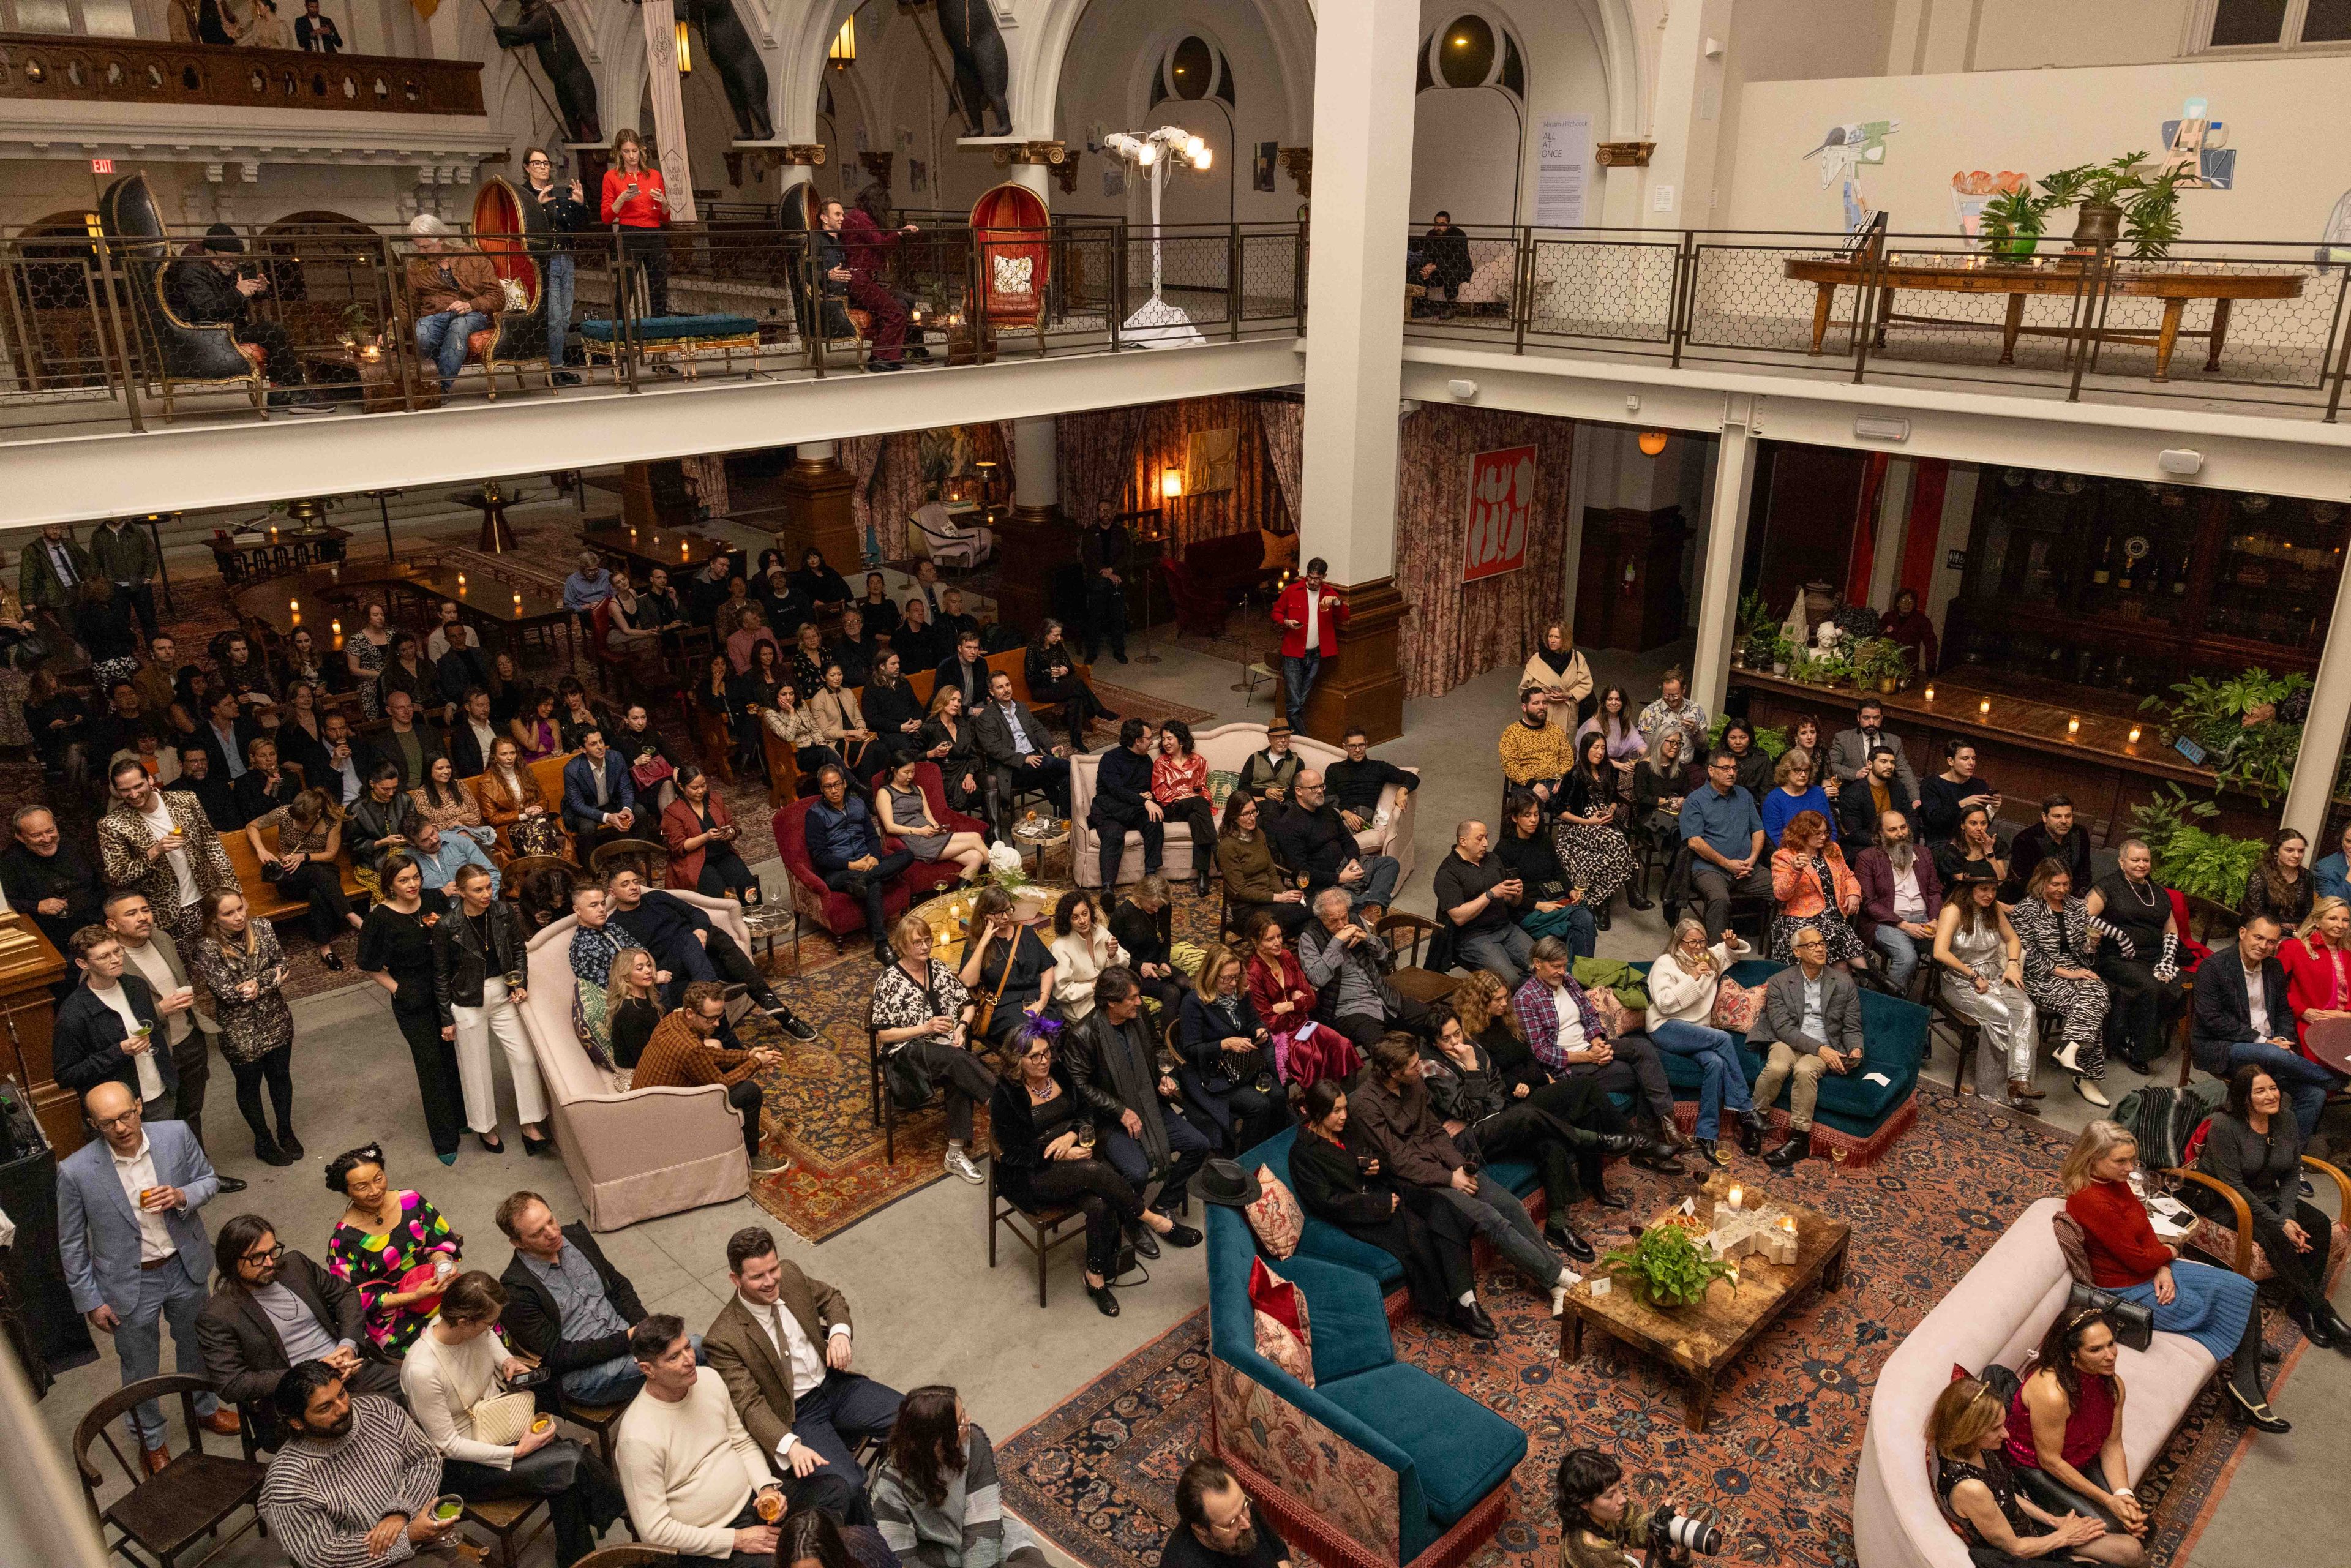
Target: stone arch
1036	67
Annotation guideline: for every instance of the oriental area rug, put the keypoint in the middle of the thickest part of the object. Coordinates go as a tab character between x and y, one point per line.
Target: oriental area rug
1774	1470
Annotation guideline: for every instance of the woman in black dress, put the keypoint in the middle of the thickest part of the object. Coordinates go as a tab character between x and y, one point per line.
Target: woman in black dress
1977	1492
1052	671
1587	837
631	1005
1945	796
59	721
2137	948
1754	765
1352	1192
396	952
102	621
1047	1156
947	740
406	671
1006	966
714	696
1482	1003
2253	1147
892	711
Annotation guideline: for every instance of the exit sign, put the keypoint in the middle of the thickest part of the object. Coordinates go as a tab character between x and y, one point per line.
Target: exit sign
101	165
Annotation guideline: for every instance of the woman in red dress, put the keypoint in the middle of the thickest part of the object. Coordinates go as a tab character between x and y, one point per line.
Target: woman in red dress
1303	1051
2318	967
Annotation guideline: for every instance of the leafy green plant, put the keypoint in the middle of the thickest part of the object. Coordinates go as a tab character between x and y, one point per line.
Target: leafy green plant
1665	1266
2151	220
2013	222
1769	739
1876	659
2158	820
2235	721
2197	861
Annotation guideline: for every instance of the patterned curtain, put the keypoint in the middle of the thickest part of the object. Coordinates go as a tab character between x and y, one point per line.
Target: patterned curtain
858	456
1095	451
706	480
1455	629
1255	499
1283	423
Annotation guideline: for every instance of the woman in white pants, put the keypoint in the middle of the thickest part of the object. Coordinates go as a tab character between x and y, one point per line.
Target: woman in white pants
1983	982
479	947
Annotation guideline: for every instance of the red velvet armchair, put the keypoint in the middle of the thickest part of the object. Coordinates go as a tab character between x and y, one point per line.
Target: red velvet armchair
837	911
924	878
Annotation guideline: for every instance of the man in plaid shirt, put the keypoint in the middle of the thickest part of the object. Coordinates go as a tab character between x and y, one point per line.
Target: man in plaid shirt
1567	1036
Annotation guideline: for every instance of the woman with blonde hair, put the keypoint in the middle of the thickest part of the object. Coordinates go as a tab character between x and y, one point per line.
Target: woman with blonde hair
309	836
1977	1492
1682	986
1228	1069
636	199
2318	966
921	1009
947	742
2214	1307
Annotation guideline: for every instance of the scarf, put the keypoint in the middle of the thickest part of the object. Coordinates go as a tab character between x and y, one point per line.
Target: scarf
1127	1057
1555	662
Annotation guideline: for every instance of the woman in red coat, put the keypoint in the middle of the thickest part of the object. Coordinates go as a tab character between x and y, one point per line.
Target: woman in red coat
701	834
635	199
1303	1051
2318	967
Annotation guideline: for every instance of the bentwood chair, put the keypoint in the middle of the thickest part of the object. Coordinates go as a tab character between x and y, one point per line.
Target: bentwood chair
163	1515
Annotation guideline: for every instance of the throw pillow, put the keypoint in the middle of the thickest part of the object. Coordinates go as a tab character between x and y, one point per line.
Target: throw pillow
1280	552
1610	1011
1284	1336
518	296
1736	1007
1012	273
1275	1216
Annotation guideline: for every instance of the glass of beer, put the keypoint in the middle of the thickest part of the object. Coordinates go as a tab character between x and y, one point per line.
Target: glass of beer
770	1504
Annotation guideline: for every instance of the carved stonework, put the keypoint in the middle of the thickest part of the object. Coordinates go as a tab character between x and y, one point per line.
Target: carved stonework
1029	153
1297	163
1066	174
1624	154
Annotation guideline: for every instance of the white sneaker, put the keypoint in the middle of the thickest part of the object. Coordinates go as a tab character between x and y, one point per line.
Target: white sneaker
960	1163
2089	1091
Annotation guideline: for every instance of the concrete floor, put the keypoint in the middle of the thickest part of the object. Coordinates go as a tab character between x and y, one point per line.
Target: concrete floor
1011	1361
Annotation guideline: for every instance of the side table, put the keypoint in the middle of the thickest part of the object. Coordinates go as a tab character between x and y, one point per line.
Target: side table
769	923
338	373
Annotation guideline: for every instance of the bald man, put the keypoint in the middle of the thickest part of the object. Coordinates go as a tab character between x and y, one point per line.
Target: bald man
135	1253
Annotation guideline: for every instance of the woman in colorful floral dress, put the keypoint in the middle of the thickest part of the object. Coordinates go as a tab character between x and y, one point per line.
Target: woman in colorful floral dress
382	1236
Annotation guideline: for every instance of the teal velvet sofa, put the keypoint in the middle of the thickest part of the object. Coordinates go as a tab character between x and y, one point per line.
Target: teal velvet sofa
1853	1115
1380	1464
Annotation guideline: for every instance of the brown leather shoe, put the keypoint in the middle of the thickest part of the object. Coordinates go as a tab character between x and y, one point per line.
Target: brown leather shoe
2019	1089
153	1461
224	1421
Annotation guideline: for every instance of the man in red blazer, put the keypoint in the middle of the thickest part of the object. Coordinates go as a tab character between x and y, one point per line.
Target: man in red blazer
1310	619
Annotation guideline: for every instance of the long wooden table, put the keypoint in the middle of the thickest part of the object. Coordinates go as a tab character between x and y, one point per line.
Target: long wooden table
677	551
1953	275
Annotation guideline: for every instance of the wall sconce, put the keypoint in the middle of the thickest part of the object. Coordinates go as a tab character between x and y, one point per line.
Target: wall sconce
1652	442
1170	484
685	51
843	53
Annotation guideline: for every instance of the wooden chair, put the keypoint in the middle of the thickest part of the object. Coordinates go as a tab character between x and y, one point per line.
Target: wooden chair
1421	985
2234	1245
783	767
163	1514
602	1422
509	1524
647	859
1041	1231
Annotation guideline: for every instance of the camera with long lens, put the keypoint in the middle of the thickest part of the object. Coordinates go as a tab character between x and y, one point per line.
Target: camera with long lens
1675	1533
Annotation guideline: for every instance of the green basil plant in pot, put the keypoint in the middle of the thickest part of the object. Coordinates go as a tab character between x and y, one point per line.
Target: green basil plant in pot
1665	1266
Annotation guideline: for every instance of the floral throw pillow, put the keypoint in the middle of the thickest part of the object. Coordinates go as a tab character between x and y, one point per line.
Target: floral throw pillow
1014	274
1276	1218
1284	1336
1737	1007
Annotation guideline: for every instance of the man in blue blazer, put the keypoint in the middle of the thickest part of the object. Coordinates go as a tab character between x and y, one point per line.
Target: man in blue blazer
599	798
135	1253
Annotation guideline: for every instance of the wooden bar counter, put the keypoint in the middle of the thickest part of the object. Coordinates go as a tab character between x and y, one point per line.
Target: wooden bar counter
29	967
2025	748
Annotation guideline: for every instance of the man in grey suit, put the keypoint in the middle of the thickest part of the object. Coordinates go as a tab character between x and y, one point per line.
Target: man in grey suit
135	1253
1018	747
1811	1017
1849	752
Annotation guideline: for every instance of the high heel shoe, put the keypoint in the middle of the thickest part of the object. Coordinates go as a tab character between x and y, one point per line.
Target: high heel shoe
1104	1302
2088	1088
2259	1416
535	1146
490	1144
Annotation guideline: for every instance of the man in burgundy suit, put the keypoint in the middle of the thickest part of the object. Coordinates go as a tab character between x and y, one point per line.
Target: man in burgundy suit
868	245
1309	620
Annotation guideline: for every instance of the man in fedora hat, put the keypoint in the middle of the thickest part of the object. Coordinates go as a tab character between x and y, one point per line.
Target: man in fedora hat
213	290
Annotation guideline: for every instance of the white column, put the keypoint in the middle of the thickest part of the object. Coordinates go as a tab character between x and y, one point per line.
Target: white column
1037	177
1893	533
1677	187
2322	734
1726	548
806	453
1035	465
1355	361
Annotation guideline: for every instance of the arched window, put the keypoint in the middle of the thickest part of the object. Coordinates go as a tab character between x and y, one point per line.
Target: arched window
1193	70
1471	51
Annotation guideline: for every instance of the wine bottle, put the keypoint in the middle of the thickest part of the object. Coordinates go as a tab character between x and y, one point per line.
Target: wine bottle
2130	568
2104	572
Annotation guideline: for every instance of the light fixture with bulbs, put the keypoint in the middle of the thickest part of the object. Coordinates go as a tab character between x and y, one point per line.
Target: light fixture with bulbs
1157	323
685	51
843	52
1652	442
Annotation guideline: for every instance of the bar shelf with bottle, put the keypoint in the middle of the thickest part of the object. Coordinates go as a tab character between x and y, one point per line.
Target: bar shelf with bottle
2100	591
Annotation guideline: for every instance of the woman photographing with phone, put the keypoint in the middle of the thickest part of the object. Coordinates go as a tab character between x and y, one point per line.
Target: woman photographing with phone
637	202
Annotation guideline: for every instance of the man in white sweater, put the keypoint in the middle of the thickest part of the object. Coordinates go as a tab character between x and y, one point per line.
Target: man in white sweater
694	1478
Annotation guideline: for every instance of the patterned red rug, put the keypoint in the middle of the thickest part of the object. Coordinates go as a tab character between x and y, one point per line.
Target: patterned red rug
1775	1470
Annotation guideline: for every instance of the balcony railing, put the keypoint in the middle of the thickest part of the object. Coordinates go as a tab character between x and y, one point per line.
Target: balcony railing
2260	322
97	333
55	67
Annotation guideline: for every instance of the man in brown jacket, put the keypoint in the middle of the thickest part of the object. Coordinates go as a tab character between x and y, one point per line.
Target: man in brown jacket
782	1343
454	292
681	1054
1389	1116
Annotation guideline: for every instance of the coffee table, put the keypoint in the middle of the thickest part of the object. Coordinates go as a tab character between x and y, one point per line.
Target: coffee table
1703	1339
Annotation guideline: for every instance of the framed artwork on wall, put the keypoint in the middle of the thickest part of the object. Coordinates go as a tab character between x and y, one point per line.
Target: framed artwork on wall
1502	509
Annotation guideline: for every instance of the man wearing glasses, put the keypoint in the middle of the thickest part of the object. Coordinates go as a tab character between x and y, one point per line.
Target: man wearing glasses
273	1310
135	1254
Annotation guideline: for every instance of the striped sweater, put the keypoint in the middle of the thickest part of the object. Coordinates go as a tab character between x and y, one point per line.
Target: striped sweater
967	1528
321	1500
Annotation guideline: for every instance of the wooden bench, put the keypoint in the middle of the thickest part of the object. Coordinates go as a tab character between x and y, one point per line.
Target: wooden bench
261	896
548	773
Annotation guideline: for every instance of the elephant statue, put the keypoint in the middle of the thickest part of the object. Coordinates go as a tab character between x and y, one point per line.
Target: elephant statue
983	73
575	86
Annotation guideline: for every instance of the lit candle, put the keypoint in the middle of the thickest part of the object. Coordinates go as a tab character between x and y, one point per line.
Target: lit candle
684	549
339	628
294	606
1983	708
2073	728
273	535
1736	1197
297	618
461	583
1788	1222
2133	735
1930	693
517	601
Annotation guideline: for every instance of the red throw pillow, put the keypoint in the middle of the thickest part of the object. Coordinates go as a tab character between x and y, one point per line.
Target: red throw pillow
1284	1336
1737	1007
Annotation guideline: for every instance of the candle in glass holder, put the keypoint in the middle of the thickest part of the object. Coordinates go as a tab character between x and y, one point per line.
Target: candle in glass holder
1736	1198
1983	708
683	548
273	535
461	583
1788	1222
517	601
2073	728
1931	691
2133	735
294	607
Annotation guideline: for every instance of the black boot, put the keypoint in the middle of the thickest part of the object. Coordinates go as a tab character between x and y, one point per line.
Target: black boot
1589	1142
1713	1154
1798	1146
1600	917
292	1145
1471	1319
1751	1133
266	1150
1636	899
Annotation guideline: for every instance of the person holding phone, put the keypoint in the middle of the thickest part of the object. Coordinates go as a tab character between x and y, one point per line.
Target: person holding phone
555	211
636	202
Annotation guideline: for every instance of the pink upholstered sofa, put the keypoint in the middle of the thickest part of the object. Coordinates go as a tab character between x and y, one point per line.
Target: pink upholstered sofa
646	1152
1997	1313
1227	747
